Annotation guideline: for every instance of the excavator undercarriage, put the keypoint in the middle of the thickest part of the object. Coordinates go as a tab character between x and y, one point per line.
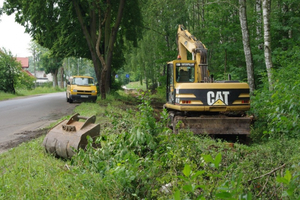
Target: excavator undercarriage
211	123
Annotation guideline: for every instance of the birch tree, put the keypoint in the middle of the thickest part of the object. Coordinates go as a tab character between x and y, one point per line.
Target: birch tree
246	44
266	4
258	23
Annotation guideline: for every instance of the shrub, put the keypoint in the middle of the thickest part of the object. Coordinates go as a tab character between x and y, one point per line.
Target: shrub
10	71
277	111
25	81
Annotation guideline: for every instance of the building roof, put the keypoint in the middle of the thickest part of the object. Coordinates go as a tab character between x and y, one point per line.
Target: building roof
24	61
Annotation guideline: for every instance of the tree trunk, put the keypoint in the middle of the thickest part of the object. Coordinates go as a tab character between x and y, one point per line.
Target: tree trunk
62	77
225	64
267	40
90	38
246	44
94	44
11	85
107	37
55	82
258	23
112	41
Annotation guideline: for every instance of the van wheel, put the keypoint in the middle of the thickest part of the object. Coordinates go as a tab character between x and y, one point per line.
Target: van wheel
67	98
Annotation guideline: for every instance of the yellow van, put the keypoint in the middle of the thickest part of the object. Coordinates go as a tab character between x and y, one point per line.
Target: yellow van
81	88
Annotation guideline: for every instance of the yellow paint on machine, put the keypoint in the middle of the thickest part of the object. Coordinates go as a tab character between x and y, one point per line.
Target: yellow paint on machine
244	96
226	86
239	102
197	102
219	103
185	96
207	108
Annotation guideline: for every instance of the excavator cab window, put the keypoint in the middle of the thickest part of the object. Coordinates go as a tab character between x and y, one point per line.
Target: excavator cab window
185	72
170	84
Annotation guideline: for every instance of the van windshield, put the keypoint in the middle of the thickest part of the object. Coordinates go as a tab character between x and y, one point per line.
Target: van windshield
83	81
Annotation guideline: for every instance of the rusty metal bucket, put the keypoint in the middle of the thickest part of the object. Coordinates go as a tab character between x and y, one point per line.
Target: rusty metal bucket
70	135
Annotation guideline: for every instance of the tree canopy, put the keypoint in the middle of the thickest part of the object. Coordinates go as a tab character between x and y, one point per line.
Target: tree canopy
88	29
139	37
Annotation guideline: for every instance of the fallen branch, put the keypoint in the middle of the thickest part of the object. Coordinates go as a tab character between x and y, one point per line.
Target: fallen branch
263	186
274	170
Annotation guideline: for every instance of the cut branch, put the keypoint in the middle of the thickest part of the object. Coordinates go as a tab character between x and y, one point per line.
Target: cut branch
274	170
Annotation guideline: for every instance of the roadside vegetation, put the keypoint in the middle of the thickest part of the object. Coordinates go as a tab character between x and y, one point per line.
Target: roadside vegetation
16	82
26	92
140	158
136	85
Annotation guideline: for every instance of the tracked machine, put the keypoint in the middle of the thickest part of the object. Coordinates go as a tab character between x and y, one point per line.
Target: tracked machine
198	103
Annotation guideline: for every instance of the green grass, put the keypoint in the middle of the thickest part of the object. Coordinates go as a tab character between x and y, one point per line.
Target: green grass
27	172
136	85
134	164
4	96
39	90
25	92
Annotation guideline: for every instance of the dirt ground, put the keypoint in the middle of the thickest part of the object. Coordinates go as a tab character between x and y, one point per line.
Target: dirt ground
22	137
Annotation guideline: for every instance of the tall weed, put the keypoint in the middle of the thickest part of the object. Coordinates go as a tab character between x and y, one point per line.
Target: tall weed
125	156
144	159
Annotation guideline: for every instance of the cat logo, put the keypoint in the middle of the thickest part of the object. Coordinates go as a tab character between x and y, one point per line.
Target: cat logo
218	98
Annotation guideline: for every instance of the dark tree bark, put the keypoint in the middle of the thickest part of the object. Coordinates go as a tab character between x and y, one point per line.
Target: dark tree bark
90	36
62	77
102	63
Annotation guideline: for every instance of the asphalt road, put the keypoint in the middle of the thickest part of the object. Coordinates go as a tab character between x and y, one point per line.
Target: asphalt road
31	113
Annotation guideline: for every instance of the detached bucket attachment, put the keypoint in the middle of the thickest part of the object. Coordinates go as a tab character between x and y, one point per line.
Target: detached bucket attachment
70	134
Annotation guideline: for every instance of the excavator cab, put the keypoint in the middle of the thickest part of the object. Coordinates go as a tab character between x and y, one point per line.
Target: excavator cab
179	72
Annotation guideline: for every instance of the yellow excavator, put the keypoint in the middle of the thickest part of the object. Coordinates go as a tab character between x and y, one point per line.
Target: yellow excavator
197	102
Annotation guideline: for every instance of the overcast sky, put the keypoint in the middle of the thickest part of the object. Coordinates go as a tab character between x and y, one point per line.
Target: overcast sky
13	37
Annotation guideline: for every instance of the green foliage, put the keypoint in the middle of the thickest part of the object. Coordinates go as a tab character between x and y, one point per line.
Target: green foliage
51	64
277	111
140	158
11	74
291	184
25	81
230	189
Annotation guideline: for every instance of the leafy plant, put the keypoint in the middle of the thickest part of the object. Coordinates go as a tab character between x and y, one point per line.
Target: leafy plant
291	183
276	111
194	187
10	72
